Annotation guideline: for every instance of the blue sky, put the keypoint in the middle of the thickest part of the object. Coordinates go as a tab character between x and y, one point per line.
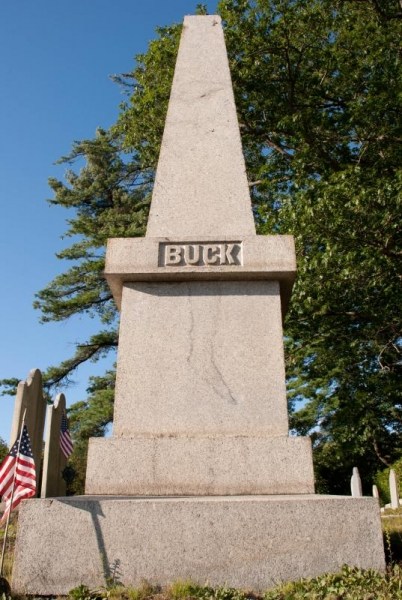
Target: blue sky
56	59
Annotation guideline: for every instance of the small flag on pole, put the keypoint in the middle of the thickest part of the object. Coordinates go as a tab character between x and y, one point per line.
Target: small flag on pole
17	474
66	443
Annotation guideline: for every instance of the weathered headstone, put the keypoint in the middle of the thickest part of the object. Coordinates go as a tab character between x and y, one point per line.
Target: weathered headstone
200	479
54	461
356	484
30	398
393	489
375	492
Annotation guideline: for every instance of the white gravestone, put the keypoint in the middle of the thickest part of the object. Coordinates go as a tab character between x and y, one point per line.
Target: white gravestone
393	489
356	484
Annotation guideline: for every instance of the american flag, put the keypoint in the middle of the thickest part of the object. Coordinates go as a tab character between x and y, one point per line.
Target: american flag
66	444
17	471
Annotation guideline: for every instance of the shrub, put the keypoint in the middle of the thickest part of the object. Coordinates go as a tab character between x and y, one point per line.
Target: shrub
349	584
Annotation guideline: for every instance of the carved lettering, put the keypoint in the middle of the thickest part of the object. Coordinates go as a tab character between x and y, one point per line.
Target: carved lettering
191	254
200	254
211	254
173	255
230	259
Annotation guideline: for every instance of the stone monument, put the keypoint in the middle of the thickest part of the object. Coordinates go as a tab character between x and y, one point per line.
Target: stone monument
30	401
54	461
200	479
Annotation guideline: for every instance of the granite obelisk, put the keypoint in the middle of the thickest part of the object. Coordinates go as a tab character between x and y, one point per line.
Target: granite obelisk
200	394
200	479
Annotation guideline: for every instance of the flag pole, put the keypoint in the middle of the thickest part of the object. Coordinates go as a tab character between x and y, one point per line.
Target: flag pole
12	495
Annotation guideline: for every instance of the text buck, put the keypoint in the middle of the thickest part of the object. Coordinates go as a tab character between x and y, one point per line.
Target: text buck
199	254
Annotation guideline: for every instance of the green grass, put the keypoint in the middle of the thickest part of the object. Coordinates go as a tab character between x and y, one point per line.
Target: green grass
9	554
392	528
349	584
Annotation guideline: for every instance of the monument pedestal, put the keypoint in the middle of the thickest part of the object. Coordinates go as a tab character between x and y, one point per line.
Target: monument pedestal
250	542
191	465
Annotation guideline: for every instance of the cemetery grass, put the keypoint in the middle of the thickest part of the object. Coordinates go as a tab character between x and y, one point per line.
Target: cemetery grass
349	584
9	551
392	529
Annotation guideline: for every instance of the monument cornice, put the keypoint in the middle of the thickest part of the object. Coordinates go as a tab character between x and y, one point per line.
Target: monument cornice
209	258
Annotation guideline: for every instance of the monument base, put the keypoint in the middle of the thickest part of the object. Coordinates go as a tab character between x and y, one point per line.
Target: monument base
199	465
249	542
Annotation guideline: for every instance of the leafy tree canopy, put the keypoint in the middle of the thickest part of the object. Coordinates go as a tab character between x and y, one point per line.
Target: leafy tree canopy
3	450
318	93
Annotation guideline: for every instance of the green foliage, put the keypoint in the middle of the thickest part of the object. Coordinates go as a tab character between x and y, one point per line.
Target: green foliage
10	544
110	198
3	450
146	591
9	386
81	592
201	9
78	592
87	419
224	593
142	119
382	481
318	89
350	584
392	529
180	590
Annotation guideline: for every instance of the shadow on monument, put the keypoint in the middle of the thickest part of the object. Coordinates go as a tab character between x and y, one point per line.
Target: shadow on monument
203	288
111	569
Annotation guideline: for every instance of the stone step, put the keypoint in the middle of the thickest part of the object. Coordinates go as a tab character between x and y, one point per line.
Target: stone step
250	542
199	464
